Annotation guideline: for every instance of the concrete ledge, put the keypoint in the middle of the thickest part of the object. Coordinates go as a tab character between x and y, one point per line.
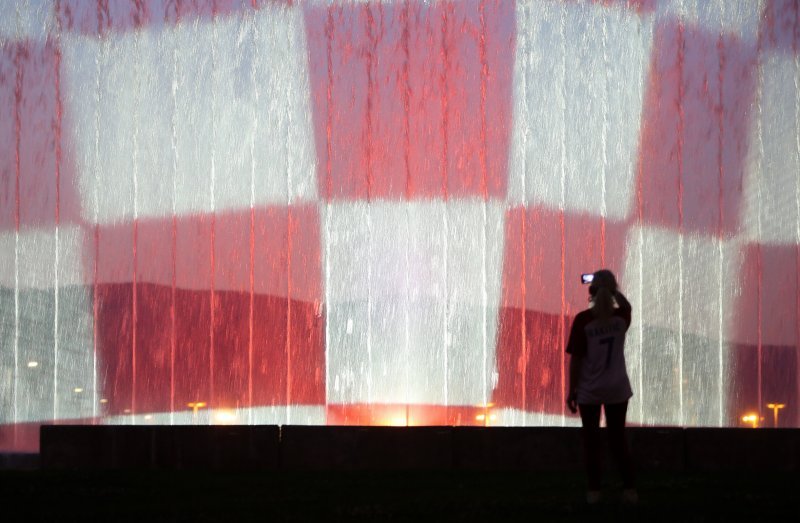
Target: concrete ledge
743	449
405	448
365	448
515	448
658	448
19	461
171	447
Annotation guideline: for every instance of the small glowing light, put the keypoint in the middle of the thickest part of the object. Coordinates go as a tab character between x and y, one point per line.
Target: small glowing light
751	418
480	417
103	400
492	417
127	411
225	416
77	390
33	364
148	416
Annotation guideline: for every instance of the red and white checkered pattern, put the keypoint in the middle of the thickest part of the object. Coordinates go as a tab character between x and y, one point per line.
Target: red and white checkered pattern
376	212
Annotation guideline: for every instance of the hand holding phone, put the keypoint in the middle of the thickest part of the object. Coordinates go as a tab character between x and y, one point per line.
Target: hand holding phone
587	278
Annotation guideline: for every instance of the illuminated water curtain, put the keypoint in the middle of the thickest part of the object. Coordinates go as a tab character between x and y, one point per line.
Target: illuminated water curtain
377	212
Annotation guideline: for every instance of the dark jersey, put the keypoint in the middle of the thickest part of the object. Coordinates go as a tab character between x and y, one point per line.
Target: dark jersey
601	346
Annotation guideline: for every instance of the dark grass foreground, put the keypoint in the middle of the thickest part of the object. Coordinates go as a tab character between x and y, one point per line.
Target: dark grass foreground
388	496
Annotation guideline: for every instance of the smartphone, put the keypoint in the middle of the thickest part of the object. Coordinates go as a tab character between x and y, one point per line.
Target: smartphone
587	278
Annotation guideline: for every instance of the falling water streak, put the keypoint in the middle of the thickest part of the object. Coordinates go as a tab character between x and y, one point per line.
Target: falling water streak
370	21
406	154
96	203
640	384
251	307
523	323
563	202
446	251
640	267
368	159
681	57
525	45
328	146
721	367
759	171
484	76
57	125
485	194
604	142
250	313
173	341
406	318
135	162
796	41
484	307
327	292
101	10
16	327
288	315
720	217
17	173
172	319
95	315
287	144
329	98
406	100
680	317
211	397
445	195
369	303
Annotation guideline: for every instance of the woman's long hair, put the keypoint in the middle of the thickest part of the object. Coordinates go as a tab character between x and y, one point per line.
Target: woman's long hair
602	290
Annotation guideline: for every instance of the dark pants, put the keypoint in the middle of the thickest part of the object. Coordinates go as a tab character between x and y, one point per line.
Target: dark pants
593	452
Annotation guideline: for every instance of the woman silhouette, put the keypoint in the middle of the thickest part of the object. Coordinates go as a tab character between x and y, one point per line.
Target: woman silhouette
598	378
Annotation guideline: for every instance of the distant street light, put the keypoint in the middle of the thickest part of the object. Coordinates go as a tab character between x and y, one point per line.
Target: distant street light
775	408
751	418
195	406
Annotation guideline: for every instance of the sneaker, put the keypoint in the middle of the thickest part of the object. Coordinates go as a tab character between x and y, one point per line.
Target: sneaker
630	496
593	497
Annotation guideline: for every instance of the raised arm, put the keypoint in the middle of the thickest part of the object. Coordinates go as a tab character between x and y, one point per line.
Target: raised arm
624	307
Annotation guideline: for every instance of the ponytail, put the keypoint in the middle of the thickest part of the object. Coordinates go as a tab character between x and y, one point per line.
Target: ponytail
603	303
